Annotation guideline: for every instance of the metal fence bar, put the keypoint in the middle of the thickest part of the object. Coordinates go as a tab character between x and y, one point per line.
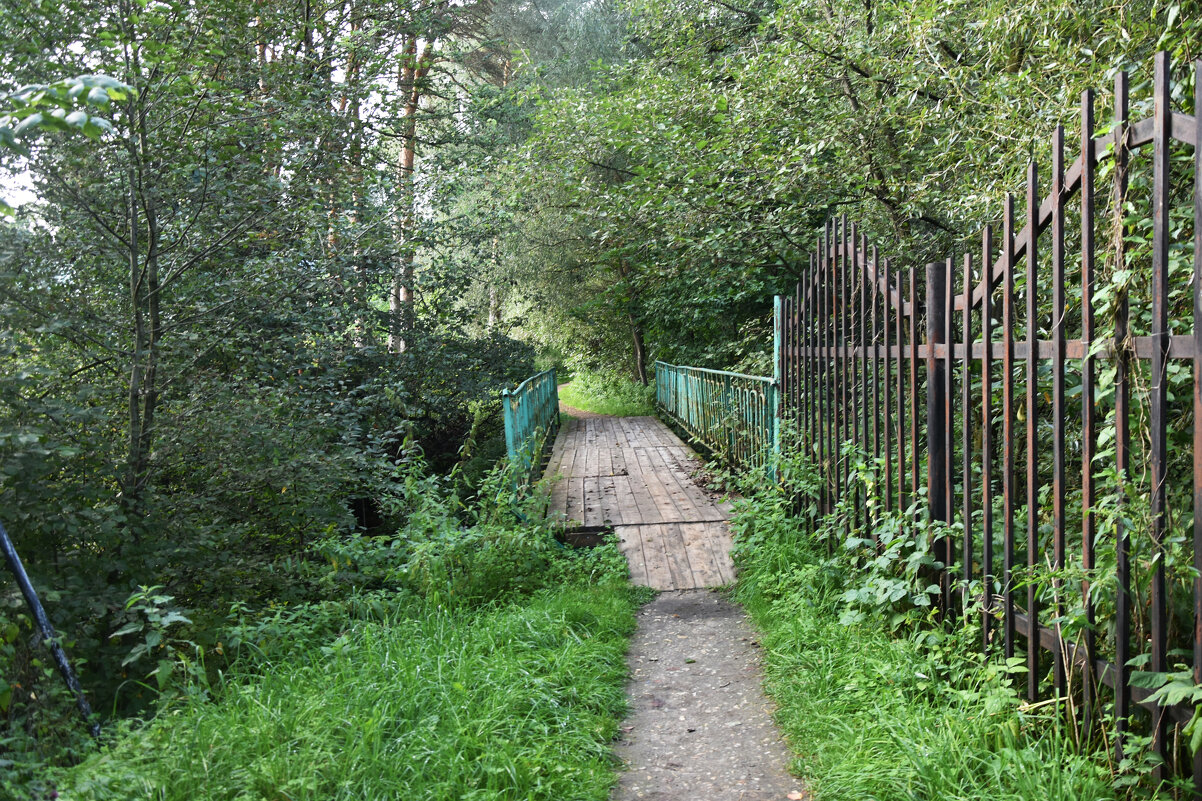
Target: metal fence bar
851	364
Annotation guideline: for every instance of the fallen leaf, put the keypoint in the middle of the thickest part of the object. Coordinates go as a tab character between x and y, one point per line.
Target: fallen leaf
795	796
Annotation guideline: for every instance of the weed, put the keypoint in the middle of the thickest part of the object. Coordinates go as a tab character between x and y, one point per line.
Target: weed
608	392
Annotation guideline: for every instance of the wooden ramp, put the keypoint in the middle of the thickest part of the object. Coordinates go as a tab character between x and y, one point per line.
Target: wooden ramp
632	474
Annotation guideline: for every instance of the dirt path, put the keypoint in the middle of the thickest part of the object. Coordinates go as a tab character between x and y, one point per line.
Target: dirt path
700	727
573	411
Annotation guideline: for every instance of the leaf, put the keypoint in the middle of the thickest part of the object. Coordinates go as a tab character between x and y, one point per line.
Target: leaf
129	628
162	673
98	97
32	121
1148	679
174	617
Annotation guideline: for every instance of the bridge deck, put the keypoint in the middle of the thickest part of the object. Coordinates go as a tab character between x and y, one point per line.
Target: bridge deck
632	474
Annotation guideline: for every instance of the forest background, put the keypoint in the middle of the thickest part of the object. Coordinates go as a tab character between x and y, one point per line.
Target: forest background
275	305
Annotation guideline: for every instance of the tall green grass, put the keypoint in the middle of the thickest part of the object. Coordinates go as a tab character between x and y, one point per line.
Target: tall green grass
608	392
408	699
876	716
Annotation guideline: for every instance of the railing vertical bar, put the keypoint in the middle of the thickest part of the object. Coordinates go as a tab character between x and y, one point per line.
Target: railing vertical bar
966	428
860	257
874	296
1089	435
804	399
824	331
949	434
1197	291
937	433
1058	412
1032	438
914	460
1008	476
1122	400
842	354
900	322
986	437
887	405
1159	390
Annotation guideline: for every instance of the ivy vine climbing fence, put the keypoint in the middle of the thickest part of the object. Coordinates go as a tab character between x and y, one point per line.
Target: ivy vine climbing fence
1061	442
531	413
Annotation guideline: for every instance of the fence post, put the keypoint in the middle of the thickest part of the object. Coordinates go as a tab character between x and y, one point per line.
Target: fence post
773	390
511	429
937	435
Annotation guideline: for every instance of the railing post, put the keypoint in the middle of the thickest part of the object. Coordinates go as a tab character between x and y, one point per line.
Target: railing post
511	429
773	414
773	390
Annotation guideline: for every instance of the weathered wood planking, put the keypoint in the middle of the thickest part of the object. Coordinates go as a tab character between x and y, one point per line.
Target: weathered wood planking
678	556
625	471
634	475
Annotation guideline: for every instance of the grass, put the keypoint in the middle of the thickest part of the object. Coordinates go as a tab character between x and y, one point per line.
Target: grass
506	701
876	716
608	392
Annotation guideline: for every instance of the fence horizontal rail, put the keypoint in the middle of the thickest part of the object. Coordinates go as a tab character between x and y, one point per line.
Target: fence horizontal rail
531	420
732	414
1055	455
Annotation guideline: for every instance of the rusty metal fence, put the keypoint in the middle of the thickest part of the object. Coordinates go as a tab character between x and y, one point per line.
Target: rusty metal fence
1062	443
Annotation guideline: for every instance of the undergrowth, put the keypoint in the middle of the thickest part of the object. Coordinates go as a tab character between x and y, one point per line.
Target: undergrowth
608	392
468	660
877	702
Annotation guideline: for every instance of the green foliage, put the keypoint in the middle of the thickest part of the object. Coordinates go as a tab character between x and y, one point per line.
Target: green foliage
875	715
608	391
414	701
536	634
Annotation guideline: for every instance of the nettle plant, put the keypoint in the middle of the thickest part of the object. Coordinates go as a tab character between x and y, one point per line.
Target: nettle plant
888	558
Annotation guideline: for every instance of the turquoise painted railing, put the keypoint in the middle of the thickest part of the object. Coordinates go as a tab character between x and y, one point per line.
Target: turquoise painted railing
531	420
732	414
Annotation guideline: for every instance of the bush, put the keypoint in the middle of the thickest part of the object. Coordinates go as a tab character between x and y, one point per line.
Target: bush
608	391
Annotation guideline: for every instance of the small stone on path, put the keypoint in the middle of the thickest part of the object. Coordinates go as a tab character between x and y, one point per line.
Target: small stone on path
700	727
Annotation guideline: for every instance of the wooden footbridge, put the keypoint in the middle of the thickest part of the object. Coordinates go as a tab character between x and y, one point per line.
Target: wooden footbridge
633	476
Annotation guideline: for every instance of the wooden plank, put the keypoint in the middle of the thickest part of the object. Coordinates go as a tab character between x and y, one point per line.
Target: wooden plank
680	468
588	465
617	459
559	498
678	560
663	482
721	542
574	500
659	576
593	512
702	558
630	543
633	499
664	503
611	511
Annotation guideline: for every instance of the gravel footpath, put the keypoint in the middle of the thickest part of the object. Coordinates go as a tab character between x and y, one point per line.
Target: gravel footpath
700	727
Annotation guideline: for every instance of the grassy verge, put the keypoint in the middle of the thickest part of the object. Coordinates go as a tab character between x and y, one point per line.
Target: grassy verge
608	392
411	700
874	715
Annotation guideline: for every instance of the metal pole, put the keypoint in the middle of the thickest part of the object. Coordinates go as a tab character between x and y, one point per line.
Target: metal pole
49	637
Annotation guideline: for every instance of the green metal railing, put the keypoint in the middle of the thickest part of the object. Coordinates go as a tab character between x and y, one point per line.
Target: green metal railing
732	414
531	420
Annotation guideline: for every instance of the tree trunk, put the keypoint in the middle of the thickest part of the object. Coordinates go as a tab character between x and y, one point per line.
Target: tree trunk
494	306
413	71
640	349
